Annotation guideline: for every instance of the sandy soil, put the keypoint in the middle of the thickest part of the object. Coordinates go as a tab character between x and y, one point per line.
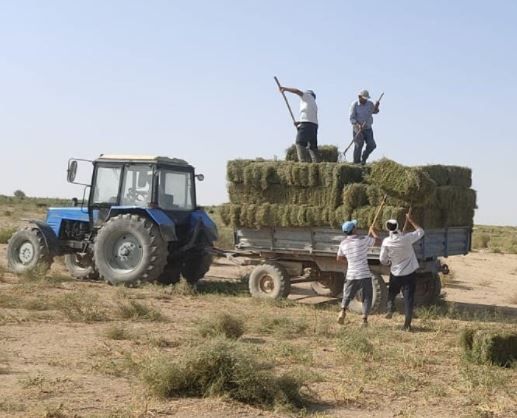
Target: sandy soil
47	365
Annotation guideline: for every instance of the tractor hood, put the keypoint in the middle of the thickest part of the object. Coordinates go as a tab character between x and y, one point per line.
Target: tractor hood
56	215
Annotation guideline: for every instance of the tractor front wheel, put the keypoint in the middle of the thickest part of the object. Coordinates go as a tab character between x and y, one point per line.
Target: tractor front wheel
129	249
80	268
27	252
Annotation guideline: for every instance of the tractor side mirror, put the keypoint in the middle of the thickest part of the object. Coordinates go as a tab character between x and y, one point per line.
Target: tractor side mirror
71	171
200	177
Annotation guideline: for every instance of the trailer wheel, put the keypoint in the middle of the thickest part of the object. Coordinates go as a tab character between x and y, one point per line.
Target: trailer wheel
428	289
379	299
27	252
329	285
269	280
129	249
80	269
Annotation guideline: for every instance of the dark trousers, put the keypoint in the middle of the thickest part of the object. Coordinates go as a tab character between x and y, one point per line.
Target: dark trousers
408	285
307	140
351	289
365	136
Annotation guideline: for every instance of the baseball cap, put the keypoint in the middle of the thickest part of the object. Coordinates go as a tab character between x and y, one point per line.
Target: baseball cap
392	225
311	93
349	226
365	94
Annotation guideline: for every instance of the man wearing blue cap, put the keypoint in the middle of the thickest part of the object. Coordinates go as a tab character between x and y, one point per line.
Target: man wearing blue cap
354	250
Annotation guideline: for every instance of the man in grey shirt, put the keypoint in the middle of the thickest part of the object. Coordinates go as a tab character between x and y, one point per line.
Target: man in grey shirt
361	119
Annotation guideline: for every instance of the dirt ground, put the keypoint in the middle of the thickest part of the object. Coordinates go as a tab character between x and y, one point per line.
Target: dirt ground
52	366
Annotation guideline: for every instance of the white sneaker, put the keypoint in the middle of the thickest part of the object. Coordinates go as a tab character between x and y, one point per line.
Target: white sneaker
341	317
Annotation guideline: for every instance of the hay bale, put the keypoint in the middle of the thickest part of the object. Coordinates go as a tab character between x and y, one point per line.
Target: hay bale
405	183
490	347
354	195
448	175
375	195
328	153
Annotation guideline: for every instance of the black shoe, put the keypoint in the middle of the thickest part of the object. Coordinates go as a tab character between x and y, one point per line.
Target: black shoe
365	322
389	315
407	328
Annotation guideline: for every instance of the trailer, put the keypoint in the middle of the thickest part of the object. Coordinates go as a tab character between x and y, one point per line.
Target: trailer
285	256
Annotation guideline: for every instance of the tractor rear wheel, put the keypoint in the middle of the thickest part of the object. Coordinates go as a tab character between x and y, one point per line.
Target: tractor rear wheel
195	266
269	280
129	249
27	252
80	268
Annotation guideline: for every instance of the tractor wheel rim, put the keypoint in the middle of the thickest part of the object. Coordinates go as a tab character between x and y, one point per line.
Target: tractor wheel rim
126	253
26	252
267	284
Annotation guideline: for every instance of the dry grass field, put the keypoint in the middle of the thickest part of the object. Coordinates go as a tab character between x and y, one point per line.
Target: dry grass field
86	349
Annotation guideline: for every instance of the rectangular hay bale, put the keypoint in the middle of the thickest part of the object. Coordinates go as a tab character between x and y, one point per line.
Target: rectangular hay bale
327	153
490	347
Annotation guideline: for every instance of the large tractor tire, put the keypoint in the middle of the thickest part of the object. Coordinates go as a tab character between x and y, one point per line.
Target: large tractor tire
269	280
83	269
27	252
428	289
379	299
195	266
129	249
329	285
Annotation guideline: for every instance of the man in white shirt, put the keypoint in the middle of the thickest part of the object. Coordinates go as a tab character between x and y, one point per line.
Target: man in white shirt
354	250
307	125
397	250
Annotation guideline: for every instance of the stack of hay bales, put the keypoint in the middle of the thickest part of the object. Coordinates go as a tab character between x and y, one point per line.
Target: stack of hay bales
490	347
291	194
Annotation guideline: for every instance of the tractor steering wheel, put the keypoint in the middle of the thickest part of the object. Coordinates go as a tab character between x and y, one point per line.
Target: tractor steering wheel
136	195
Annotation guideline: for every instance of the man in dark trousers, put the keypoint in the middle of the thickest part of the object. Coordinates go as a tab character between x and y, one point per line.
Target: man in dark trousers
397	250
361	119
354	250
307	125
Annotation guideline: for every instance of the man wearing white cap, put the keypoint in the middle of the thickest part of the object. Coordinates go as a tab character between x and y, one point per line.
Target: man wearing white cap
361	119
354	250
397	250
307	125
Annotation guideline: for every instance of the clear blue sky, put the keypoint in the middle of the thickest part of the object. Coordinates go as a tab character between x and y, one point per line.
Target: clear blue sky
194	80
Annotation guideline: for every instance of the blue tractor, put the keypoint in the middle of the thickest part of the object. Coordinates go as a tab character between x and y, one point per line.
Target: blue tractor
139	224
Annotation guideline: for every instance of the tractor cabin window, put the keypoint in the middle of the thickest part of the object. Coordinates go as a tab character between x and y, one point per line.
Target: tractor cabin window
137	186
175	190
107	181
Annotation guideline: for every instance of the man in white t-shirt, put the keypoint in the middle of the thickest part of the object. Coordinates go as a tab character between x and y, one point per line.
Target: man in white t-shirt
307	125
397	250
354	249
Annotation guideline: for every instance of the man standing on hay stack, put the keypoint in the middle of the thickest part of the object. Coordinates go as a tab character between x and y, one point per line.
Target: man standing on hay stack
307	125
397	250
354	249
361	119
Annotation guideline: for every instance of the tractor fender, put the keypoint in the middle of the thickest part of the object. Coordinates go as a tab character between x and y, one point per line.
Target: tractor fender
207	226
165	224
49	236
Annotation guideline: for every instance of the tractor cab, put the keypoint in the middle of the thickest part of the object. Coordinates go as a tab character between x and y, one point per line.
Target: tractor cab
120	183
